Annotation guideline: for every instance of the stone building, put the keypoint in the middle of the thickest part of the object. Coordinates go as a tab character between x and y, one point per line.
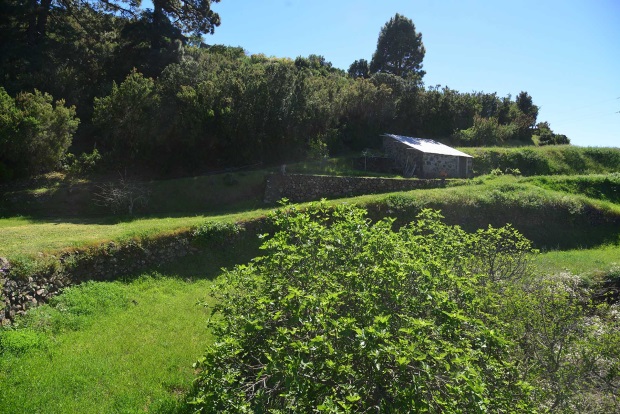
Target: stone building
426	158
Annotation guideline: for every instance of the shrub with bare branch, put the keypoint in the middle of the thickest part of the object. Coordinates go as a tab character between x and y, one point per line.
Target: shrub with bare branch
124	195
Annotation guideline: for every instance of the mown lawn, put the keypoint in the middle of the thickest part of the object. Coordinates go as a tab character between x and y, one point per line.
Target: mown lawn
28	237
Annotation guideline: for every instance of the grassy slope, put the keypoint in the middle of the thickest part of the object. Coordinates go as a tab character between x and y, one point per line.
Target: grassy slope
551	217
115	347
129	359
133	357
29	237
551	160
59	197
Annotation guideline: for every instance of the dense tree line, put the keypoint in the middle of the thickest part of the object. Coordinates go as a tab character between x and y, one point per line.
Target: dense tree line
141	83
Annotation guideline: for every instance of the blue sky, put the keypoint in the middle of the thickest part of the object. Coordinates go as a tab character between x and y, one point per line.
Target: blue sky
564	53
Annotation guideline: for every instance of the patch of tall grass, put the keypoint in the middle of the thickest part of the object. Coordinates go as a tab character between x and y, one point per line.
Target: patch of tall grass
600	263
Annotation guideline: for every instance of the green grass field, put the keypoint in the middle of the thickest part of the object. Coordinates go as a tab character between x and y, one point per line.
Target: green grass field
133	356
28	237
114	347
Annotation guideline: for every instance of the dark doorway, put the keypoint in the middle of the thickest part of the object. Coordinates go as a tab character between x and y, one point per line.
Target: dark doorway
462	167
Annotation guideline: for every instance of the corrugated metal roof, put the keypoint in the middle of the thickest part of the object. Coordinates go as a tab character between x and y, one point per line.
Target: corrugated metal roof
428	146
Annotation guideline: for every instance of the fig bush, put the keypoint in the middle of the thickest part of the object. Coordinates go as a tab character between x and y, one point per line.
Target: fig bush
344	315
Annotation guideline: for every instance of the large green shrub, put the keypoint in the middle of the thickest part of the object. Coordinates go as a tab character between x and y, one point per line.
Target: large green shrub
35	133
342	315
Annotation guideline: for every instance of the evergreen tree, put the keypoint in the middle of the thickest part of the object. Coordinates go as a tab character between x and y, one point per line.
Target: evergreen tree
359	69
400	50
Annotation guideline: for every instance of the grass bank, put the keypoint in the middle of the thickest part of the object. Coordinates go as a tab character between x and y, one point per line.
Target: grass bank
27	237
106	347
550	211
114	347
549	160
551	219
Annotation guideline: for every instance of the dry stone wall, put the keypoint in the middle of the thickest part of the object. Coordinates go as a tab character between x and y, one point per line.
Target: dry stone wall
20	291
436	165
301	187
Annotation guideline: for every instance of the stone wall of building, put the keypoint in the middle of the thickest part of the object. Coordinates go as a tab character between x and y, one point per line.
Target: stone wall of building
406	159
301	187
437	165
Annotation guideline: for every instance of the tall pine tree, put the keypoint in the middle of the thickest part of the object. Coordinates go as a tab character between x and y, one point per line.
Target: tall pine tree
400	50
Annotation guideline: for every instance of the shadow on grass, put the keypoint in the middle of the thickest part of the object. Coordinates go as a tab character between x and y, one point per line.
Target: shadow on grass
238	208
208	263
76	202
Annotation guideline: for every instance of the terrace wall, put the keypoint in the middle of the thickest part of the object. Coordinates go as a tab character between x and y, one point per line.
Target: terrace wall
302	187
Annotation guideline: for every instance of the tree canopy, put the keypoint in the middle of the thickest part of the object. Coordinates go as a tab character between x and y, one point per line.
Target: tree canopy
143	82
400	50
359	69
35	133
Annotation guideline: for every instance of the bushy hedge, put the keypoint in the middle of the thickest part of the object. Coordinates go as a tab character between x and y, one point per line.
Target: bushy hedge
343	315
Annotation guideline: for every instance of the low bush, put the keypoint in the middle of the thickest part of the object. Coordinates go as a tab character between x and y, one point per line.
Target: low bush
342	315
